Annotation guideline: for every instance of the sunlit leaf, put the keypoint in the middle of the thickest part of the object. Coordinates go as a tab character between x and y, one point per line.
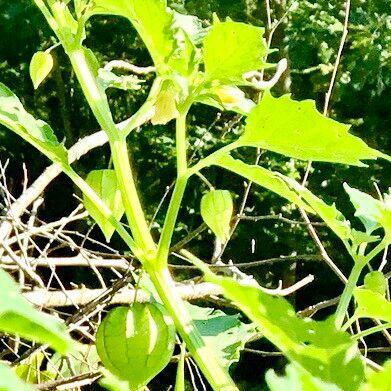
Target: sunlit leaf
379	381
242	107
297	379
36	132
135	343
298	130
328	213
372	213
226	334
318	347
105	185
152	20
18	317
40	66
261	176
29	370
376	282
232	49
371	304
216	211
9	381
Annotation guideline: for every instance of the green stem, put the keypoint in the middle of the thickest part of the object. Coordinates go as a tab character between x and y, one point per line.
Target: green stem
133	209
204	356
347	294
99	105
211	159
371	330
359	264
179	190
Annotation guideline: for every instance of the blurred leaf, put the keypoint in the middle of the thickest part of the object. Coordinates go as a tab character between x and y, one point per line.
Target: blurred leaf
302	132
371	304
29	369
38	133
18	317
371	212
40	66
104	183
232	49
85	360
376	281
216	211
296	379
9	381
318	347
379	381
226	334
135	343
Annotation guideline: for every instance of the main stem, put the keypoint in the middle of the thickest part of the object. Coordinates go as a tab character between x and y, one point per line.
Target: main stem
205	358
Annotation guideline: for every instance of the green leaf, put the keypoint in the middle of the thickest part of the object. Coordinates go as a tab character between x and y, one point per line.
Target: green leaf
216	211
135	343
297	380
376	282
18	317
318	347
9	381
152	20
379	381
328	213
85	360
40	66
29	370
36	132
226	334
105	185
232	49
298	130
371	304
372	213
263	177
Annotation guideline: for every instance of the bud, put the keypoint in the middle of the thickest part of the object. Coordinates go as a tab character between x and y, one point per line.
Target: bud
216	211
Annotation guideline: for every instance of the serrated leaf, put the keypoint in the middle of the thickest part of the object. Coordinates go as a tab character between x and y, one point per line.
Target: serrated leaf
135	343
261	176
105	185
297	379
318	347
36	132
9	381
379	381
376	281
226	334
372	213
232	49
328	213
18	317
371	304
216	211
298	130
40	66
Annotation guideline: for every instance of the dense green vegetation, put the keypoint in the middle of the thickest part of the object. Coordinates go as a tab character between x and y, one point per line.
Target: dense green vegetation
308	34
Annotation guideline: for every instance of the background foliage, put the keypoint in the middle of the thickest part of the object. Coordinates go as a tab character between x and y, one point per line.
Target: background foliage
309	38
